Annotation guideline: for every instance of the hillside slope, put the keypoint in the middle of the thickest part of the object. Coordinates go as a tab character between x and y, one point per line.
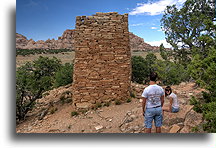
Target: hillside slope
54	116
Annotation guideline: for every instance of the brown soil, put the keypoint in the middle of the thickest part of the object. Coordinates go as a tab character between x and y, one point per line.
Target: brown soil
123	118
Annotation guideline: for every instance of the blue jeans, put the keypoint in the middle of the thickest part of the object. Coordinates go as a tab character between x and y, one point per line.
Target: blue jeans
175	110
153	114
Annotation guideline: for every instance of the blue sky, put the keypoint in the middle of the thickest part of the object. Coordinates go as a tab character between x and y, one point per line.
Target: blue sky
43	19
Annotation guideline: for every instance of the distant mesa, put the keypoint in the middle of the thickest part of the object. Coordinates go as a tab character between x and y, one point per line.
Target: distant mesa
66	41
138	44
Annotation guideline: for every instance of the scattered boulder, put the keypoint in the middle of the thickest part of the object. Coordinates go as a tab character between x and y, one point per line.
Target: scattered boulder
192	119
174	129
54	131
99	127
84	105
43	114
175	118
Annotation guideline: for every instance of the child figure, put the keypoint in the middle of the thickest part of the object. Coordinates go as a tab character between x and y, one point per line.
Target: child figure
173	106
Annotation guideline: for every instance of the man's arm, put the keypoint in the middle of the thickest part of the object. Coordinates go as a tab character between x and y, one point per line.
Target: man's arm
162	100
143	104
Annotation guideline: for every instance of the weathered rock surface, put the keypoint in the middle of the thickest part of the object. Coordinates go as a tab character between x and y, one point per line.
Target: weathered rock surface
66	41
21	41
138	44
174	129
175	118
192	119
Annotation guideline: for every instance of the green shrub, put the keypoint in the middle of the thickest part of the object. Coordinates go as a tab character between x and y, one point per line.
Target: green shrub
197	105
68	100
170	73
132	94
66	97
83	111
195	129
98	105
64	75
62	99
74	113
53	110
129	100
32	80
208	110
106	104
69	126
150	61
140	71
25	52
203	70
117	102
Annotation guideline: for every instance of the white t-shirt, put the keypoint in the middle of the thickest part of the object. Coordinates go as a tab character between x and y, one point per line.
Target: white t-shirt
175	100
153	94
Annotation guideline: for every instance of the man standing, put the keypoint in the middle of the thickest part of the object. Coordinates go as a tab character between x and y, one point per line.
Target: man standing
153	100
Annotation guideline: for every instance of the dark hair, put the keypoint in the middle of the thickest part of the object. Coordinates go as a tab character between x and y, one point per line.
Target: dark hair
168	88
153	76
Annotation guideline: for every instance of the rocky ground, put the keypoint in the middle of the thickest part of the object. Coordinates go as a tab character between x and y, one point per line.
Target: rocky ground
53	114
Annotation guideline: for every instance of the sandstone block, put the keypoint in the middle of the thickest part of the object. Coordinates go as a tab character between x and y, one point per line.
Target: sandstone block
175	128
174	118
83	105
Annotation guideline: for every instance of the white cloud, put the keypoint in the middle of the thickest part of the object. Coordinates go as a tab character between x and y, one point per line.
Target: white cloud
158	43
154	8
139	24
31	3
153	27
161	29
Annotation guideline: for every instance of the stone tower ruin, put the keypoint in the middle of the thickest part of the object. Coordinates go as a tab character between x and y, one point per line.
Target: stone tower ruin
102	67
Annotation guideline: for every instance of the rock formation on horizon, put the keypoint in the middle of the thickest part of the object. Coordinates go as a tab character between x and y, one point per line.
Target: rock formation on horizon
138	44
66	41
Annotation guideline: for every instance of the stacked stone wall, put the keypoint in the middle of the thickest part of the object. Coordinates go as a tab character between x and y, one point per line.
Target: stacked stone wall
102	67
